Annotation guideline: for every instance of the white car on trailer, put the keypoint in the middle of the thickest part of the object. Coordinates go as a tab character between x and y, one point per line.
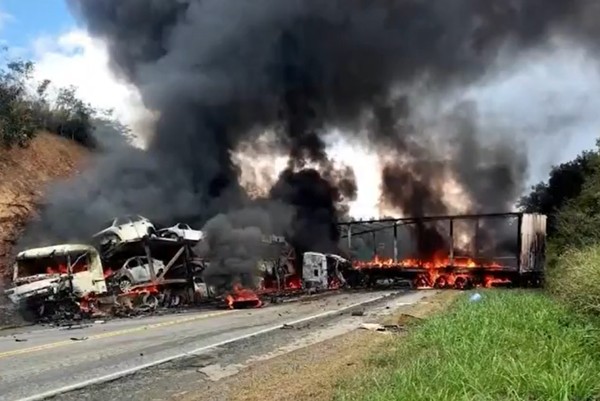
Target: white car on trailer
125	229
181	231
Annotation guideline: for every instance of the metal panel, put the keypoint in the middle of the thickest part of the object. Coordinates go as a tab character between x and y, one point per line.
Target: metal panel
533	243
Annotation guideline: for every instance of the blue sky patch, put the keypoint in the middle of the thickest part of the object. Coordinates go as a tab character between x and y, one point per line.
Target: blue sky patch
25	20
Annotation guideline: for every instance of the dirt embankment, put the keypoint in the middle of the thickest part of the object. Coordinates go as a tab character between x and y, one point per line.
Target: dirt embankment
24	174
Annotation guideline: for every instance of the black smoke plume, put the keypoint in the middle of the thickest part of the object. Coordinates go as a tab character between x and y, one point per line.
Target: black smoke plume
219	72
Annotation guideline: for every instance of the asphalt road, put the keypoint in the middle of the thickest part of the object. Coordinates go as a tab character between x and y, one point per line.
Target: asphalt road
40	360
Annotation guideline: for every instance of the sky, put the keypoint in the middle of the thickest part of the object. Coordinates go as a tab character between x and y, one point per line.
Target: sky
550	98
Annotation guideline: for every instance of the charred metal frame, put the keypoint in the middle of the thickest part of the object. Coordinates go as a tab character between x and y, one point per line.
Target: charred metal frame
168	249
393	223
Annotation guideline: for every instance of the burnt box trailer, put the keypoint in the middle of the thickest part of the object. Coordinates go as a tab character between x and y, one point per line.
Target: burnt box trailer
521	264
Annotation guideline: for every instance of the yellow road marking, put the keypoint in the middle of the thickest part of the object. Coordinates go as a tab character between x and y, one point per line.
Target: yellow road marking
112	334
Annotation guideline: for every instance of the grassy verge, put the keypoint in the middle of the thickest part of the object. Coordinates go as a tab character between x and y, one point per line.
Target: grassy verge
511	345
575	279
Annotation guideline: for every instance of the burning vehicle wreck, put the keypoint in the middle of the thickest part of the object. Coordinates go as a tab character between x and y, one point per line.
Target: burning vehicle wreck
146	273
459	252
55	276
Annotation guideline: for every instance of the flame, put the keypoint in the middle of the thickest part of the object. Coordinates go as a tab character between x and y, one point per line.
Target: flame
241	297
293	283
147	289
435	272
434	263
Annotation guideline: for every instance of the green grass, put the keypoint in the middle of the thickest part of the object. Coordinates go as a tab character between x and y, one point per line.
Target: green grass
511	345
575	280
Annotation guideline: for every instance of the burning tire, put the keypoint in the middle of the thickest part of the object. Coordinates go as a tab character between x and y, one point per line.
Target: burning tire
462	283
421	282
441	282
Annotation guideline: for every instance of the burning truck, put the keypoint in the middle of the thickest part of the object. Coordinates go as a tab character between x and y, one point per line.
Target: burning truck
131	267
450	251
56	277
76	279
135	268
426	252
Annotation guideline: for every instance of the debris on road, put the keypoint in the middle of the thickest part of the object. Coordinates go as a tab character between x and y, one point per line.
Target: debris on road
372	326
382	327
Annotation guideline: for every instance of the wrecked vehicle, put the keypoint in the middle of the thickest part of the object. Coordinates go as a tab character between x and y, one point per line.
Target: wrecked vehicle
135	271
181	231
323	271
124	229
55	274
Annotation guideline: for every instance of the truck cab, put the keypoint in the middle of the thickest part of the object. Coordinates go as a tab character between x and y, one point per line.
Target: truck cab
322	271
49	272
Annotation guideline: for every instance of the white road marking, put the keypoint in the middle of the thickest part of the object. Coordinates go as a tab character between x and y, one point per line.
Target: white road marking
126	372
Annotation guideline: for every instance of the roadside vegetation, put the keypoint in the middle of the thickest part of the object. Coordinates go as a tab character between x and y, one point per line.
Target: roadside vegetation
571	199
512	344
28	107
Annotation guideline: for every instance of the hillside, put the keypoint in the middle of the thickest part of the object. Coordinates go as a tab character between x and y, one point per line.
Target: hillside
24	173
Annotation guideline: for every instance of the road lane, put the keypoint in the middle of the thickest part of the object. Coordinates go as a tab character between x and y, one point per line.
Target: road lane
49	359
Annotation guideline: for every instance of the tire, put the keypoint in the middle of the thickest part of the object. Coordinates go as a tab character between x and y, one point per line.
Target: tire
173	236
124	284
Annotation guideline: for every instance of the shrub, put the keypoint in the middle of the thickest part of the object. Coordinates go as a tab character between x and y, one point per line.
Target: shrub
575	279
23	113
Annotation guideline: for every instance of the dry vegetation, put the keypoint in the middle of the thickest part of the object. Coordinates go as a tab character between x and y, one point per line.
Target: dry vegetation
24	172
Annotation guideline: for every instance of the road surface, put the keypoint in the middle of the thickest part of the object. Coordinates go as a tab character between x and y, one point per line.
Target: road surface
40	361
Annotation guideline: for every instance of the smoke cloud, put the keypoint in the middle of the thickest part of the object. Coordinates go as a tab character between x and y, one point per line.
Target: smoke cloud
219	73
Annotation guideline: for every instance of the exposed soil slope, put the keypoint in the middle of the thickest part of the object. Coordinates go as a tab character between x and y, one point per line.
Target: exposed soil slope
24	174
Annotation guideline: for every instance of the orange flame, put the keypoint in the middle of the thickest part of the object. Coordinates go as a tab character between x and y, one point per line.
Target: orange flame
434	263
434	274
149	289
241	297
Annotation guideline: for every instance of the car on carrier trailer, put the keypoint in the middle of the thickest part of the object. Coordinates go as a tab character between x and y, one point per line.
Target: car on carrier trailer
128	228
181	231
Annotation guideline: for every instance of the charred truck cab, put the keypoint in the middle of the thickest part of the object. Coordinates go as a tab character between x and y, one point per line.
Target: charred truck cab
323	271
56	273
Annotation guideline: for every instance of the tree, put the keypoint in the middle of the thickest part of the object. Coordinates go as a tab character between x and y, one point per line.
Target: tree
24	112
17	123
74	117
578	221
566	182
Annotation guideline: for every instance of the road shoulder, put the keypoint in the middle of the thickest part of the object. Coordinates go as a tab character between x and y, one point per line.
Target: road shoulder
313	372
